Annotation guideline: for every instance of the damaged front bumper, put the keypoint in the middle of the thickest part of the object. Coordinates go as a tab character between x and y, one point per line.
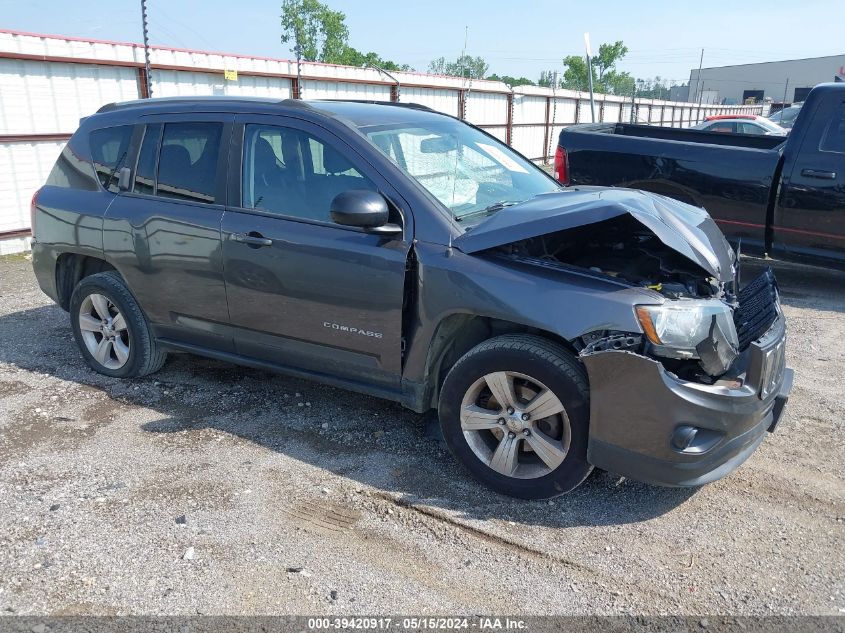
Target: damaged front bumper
649	425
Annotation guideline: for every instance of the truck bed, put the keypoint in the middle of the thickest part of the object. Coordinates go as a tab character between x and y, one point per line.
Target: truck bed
685	135
730	175
782	196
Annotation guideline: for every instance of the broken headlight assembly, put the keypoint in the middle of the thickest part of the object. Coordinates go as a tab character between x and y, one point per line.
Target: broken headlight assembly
700	330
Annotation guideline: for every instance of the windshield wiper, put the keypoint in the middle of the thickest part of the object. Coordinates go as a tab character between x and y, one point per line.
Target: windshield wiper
496	206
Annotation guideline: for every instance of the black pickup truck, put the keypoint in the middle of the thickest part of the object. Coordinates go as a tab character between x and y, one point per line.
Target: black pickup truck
782	197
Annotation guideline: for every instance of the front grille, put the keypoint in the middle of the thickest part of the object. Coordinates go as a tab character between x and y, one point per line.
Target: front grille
757	308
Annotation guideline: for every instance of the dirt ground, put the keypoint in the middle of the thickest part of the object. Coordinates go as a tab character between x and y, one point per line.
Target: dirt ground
213	489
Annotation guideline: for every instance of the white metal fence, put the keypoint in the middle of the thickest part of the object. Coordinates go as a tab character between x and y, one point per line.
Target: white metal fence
47	83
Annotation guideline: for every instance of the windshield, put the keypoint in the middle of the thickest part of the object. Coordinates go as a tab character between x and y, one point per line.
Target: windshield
786	115
466	170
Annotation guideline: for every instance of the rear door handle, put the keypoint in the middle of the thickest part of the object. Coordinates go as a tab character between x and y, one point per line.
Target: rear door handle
252	239
819	173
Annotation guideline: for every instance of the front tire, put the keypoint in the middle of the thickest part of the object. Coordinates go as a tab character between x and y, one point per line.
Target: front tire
111	330
515	412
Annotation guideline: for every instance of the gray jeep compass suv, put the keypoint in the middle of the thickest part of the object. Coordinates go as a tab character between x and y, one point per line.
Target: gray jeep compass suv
402	253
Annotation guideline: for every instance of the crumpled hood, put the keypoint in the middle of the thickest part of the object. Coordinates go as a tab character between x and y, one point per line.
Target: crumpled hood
682	227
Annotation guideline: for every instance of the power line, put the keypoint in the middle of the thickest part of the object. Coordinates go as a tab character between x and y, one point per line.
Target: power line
167	16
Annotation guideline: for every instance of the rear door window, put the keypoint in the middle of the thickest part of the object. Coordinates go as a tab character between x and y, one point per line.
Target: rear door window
187	165
109	148
146	169
723	127
179	160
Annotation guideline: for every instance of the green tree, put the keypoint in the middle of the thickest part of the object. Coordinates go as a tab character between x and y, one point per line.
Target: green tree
511	81
618	83
575	74
547	78
323	36
656	88
609	54
464	66
353	57
437	66
321	33
606	78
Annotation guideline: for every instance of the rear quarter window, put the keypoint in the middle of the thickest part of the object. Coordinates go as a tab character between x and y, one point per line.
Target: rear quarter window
834	136
109	150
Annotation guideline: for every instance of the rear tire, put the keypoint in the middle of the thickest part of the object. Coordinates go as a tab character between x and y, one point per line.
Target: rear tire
111	330
534	446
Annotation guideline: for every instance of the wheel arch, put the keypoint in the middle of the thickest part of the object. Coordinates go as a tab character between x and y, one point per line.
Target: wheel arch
71	268
457	333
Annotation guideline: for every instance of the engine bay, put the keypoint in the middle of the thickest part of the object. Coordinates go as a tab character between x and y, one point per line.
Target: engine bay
626	250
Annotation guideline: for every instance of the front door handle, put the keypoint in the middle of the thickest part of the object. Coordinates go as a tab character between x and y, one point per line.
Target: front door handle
252	238
819	173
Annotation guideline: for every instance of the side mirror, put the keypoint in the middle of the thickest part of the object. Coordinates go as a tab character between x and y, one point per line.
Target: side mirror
123	182
365	209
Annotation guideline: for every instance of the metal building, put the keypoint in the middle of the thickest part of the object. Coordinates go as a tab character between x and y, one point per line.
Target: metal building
679	93
792	78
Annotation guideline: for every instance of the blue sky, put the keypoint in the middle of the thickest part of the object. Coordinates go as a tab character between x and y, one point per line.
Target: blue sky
516	38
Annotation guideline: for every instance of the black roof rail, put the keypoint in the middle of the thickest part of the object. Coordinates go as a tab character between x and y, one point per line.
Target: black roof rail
119	105
294	103
397	104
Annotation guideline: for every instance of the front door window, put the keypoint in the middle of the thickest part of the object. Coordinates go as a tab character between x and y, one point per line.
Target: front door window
291	173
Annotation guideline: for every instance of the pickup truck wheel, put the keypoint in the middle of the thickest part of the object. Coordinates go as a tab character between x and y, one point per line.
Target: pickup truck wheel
110	329
515	411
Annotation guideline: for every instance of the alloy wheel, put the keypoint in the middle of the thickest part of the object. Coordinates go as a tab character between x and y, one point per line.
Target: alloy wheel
515	424
104	331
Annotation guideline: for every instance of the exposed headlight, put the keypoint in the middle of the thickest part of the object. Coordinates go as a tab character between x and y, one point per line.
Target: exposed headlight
695	329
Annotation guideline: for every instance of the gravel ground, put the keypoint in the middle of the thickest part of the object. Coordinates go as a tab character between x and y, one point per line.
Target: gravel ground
213	489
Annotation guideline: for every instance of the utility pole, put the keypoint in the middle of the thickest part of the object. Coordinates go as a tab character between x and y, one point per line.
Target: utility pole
147	80
464	94
698	79
698	118
783	102
464	52
298	51
551	125
590	76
